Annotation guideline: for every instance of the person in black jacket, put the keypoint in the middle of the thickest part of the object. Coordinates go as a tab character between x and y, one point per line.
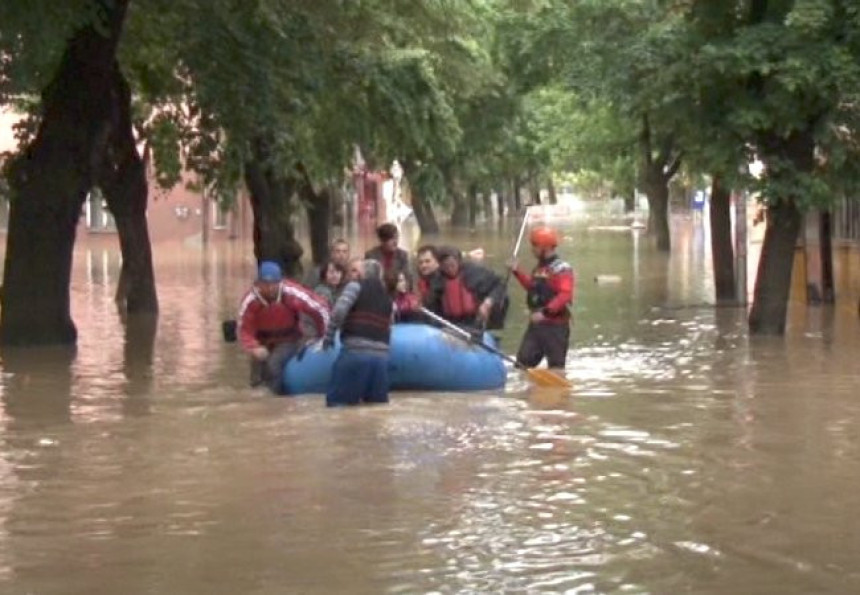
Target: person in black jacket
469	292
362	313
387	253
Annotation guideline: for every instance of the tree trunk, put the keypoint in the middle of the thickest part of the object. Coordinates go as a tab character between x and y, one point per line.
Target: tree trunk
424	215
658	213
518	194
773	283
473	205
487	203
460	213
722	251
500	204
534	189
270	196
49	184
550	186
337	206
629	201
421	207
660	161
826	235
138	355
318	209
123	182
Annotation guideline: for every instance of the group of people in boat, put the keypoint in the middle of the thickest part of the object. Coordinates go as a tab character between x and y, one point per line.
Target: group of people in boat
362	297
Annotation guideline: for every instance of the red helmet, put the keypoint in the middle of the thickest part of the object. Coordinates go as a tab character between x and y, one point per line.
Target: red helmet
544	237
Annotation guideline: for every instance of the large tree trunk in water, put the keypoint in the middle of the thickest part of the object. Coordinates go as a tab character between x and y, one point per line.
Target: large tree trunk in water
722	251
534	189
826	235
659	163
318	209
460	214
421	207
773	282
49	184
123	181
424	215
518	195
658	213
487	203
271	193
473	205
550	186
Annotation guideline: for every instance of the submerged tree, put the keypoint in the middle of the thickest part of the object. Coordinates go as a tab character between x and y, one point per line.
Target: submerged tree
50	179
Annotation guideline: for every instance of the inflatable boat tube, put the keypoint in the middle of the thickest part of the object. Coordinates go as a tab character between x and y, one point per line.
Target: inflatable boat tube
422	358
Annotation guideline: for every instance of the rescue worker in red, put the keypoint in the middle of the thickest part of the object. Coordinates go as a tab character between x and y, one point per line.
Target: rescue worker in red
549	296
269	327
469	292
387	253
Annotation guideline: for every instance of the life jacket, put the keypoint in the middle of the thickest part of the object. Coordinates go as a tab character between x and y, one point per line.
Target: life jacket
458	303
543	288
370	316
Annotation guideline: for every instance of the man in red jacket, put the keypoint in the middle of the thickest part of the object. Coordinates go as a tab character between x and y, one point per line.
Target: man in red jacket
550	294
269	327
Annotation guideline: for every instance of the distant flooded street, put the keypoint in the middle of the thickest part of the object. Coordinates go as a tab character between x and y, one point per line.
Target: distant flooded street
687	458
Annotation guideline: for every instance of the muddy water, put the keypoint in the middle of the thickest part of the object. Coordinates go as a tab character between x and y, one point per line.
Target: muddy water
688	457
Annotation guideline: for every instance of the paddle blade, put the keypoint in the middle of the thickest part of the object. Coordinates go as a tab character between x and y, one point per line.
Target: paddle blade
548	378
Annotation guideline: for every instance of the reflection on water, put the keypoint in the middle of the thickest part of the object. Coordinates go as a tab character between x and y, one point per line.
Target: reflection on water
688	457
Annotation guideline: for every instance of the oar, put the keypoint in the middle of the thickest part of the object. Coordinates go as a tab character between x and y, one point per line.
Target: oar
502	307
540	377
517	244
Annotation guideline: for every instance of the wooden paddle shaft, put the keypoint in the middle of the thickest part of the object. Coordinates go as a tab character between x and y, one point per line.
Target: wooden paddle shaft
468	337
520	236
517	244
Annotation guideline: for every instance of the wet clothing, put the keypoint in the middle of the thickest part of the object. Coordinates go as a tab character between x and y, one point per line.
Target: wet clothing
543	340
549	291
270	372
397	261
459	298
276	326
271	323
358	376
362	313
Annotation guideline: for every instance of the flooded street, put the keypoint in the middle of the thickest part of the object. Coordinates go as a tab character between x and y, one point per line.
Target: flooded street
688	458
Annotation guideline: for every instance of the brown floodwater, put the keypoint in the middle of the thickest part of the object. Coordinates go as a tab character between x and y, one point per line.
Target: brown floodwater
688	457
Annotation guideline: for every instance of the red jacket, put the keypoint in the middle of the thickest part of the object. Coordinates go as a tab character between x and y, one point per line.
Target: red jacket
550	288
263	323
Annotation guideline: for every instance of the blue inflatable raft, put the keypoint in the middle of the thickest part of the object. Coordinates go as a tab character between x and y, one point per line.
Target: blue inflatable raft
422	357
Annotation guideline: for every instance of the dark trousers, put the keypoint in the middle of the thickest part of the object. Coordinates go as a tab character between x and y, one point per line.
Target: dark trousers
358	376
544	340
271	371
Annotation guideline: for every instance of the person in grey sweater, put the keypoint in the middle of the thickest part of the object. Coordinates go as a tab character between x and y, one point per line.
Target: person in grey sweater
362	314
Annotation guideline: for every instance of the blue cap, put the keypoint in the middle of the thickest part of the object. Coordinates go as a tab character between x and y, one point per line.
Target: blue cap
270	272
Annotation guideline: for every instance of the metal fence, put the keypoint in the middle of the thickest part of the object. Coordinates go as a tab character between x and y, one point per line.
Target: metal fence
846	220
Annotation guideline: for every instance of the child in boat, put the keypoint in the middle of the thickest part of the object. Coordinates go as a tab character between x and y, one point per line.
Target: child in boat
331	281
406	303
